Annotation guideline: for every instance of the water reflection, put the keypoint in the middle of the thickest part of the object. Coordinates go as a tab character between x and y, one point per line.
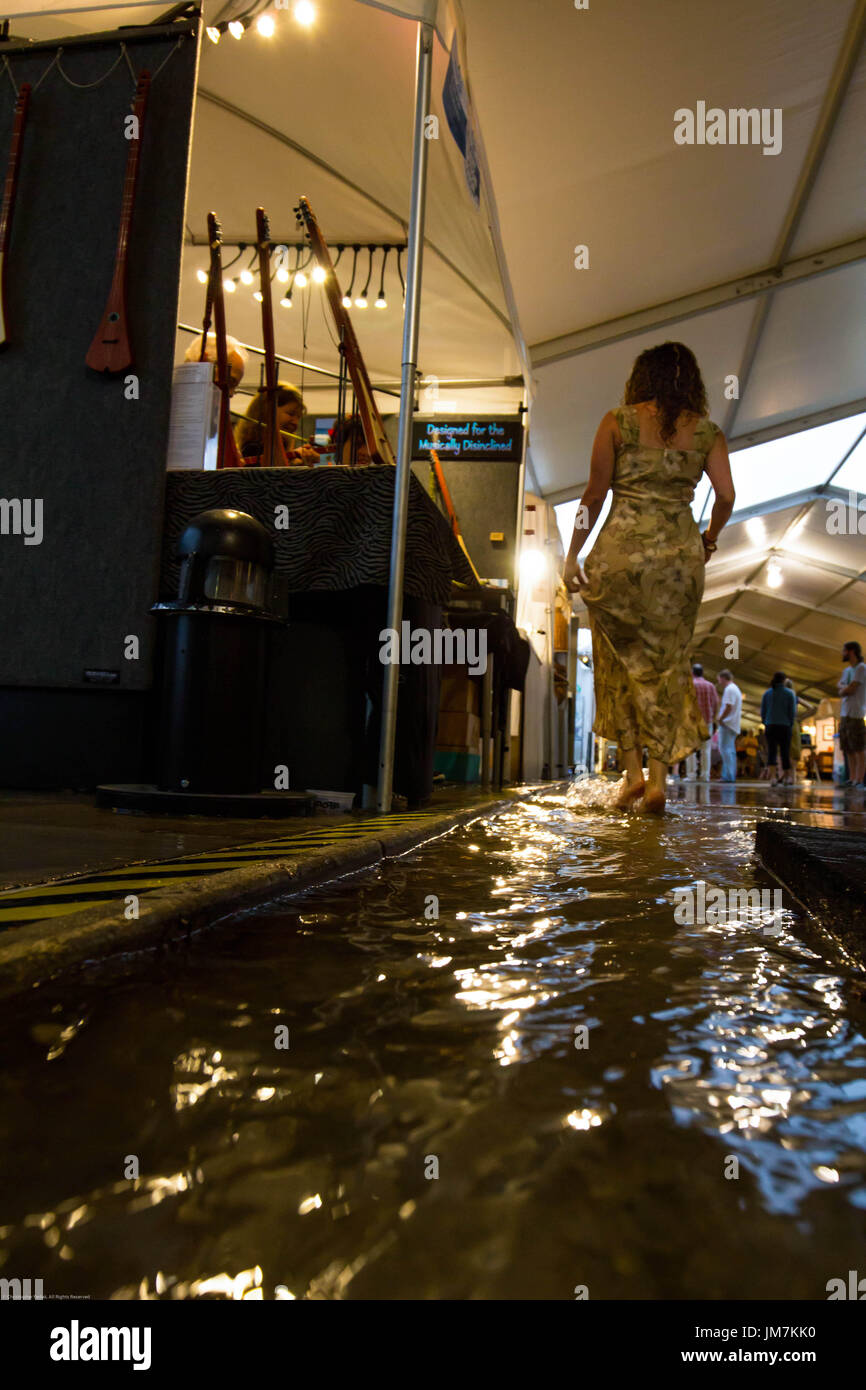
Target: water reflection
549	1081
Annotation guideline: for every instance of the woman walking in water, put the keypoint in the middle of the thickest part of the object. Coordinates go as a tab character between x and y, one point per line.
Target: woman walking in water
644	577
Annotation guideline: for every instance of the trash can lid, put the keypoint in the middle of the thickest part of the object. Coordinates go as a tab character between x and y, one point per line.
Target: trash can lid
223	531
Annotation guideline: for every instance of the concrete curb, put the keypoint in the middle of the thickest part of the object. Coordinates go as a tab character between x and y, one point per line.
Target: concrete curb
43	950
825	872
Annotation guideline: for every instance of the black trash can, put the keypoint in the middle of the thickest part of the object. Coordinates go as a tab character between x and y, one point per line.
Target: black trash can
214	644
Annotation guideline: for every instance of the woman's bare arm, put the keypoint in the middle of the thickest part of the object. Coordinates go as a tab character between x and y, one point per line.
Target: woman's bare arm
607	439
718	468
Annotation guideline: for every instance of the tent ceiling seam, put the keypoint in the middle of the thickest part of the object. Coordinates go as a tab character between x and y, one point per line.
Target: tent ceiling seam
240	114
630	325
831	106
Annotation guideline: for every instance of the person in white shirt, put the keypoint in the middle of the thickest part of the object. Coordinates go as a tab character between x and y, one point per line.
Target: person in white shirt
729	724
852	728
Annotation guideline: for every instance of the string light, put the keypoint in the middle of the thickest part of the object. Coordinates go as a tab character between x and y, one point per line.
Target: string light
236	29
213	33
258	296
347	297
305	13
381	301
265	26
249	275
361	301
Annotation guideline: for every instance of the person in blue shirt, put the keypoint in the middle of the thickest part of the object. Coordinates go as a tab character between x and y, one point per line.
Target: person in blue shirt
778	712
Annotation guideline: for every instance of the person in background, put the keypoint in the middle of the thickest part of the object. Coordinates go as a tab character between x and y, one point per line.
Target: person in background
237	358
852	724
730	716
765	772
250	430
644	578
778	712
349	443
796	732
708	704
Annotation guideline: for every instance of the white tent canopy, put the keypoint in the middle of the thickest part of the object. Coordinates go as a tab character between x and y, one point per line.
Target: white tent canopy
758	261
327	111
581	144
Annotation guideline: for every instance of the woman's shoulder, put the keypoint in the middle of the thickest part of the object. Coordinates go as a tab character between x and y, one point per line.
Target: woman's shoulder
706	433
626	420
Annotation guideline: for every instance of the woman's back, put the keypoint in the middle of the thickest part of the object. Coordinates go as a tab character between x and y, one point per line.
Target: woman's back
649	470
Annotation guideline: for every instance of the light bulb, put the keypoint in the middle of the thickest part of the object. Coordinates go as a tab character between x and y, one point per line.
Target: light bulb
347	301
305	12
265	25
213	33
286	301
300	279
229	286
201	276
257	294
319	275
236	29
533	565
246	277
775	577
283	275
360	302
381	302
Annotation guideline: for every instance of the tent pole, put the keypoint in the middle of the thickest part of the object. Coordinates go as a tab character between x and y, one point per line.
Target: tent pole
411	318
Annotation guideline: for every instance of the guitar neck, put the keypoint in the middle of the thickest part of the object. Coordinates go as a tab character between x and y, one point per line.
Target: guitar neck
227	451
10	188
274	450
11	185
130	181
378	443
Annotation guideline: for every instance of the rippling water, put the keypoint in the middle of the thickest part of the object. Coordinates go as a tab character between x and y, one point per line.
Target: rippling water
550	1084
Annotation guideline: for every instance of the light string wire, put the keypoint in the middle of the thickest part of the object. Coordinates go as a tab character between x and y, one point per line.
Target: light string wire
122	56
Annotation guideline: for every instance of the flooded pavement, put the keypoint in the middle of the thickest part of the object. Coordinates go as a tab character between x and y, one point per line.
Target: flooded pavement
511	1072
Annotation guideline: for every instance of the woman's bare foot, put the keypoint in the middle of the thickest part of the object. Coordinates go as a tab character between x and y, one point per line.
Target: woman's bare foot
631	792
654	802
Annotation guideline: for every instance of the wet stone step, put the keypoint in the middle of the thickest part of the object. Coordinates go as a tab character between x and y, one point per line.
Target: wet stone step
826	871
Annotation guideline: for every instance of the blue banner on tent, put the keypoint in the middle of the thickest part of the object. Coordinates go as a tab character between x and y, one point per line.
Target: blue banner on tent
455	102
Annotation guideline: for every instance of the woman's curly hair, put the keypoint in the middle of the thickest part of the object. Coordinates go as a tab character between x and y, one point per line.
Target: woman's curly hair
669	375
250	428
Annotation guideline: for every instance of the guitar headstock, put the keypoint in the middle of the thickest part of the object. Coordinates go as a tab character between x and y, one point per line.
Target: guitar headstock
263	228
214	231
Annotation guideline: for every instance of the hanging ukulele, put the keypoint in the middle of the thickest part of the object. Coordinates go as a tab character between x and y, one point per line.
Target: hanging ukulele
111	350
274	453
227	449
377	441
9	191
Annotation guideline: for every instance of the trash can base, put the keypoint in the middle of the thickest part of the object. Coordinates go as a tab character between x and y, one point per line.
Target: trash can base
146	797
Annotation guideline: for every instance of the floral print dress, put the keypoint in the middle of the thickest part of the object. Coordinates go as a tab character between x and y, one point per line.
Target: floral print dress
645	580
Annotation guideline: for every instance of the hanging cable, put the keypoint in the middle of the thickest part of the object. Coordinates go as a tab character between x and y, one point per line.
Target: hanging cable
361	301
347	297
381	301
